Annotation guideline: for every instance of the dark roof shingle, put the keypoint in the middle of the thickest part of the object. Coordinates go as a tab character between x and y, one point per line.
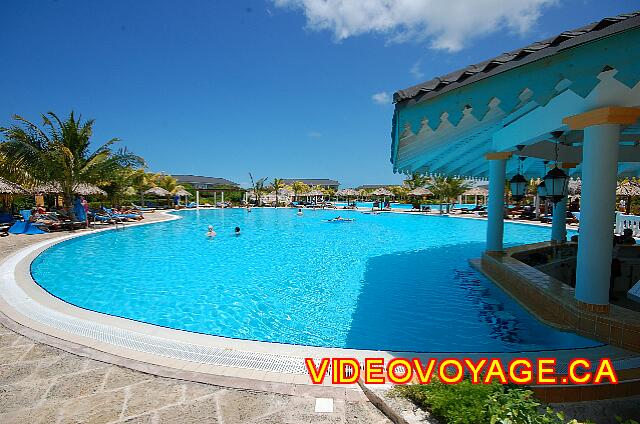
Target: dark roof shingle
519	57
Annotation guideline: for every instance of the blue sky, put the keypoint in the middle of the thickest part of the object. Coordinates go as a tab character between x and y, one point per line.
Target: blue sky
282	88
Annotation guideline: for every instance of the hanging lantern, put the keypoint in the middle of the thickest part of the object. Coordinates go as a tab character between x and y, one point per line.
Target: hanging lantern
518	184
542	190
556	181
557	184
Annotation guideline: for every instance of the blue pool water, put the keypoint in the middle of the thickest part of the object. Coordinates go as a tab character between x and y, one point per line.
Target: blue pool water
387	281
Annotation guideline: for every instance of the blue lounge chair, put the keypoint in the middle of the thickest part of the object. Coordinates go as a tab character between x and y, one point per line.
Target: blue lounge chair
6	221
110	212
26	226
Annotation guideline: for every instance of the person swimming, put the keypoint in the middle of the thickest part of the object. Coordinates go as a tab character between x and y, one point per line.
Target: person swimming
237	232
211	232
340	219
248	208
299	213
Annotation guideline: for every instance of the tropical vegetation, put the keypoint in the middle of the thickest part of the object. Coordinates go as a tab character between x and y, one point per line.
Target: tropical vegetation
259	188
447	189
276	185
416	180
59	152
466	403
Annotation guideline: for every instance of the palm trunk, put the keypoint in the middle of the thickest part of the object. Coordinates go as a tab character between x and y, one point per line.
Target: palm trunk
68	204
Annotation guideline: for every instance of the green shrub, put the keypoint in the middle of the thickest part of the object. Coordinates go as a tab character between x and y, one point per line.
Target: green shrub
467	403
462	403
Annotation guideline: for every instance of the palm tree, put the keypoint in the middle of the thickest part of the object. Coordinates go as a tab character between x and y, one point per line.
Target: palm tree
299	187
59	153
457	187
447	188
276	185
416	180
258	188
141	181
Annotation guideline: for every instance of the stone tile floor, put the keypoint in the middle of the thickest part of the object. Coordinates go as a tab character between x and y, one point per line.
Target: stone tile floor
42	384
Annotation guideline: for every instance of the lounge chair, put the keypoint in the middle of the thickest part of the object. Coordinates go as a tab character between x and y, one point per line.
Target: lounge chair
26	226
113	214
6	221
143	208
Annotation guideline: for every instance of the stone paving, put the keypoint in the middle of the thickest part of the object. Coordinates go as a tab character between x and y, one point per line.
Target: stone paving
42	384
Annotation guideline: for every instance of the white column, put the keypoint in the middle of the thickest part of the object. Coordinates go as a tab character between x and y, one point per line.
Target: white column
495	218
595	243
222	194
197	199
559	223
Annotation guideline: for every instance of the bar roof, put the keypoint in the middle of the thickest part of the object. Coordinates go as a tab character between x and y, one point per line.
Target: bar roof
519	57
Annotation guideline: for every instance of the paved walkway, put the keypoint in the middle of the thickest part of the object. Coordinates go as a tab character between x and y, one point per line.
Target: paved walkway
42	384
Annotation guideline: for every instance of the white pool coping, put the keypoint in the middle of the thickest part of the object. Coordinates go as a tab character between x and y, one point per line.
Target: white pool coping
23	301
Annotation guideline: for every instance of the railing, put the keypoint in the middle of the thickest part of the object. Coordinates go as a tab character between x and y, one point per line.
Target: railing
627	221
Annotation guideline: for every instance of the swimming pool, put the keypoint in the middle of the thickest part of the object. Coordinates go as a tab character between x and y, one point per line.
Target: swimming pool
388	281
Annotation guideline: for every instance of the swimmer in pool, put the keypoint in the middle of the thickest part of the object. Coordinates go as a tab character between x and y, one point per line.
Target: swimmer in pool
248	208
237	232
211	233
299	212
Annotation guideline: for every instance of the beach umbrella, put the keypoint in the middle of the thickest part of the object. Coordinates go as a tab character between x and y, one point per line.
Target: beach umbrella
7	187
476	191
420	191
575	187
315	193
382	192
347	192
157	191
83	189
628	189
182	192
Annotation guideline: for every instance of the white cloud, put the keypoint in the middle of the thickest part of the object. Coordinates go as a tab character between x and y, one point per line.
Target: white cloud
416	71
381	98
447	25
314	134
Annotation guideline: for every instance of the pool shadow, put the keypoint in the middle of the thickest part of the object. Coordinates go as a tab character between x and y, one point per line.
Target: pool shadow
467	313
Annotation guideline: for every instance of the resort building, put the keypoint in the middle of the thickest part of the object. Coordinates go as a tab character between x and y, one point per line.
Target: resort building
313	182
207	183
565	106
214	187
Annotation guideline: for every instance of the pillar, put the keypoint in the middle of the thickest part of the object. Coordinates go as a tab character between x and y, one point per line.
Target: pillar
222	195
495	217
599	171
595	243
197	199
559	223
